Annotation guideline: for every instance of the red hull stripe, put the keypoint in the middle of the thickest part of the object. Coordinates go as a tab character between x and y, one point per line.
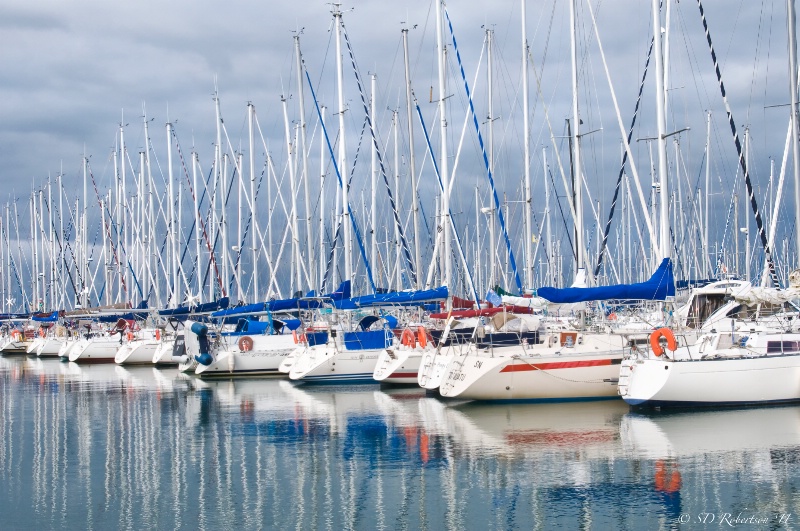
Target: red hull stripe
555	365
403	375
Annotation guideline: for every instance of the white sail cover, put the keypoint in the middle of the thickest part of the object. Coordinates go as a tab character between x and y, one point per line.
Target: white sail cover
757	295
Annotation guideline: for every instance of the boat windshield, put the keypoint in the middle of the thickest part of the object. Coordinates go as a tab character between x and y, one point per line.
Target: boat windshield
702	307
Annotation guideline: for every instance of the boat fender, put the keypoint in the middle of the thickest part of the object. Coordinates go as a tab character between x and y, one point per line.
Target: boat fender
422	337
204	358
407	338
298	338
199	329
158	334
655	341
245	343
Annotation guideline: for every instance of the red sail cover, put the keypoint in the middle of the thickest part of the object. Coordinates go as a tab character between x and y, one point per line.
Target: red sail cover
462	304
482	312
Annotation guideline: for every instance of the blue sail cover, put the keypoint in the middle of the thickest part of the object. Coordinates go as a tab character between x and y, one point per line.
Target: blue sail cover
660	286
200	308
393	299
45	317
284	305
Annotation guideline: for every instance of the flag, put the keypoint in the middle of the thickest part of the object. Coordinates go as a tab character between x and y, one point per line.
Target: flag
494	298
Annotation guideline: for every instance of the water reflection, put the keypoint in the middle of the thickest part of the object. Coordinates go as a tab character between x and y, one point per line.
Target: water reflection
102	445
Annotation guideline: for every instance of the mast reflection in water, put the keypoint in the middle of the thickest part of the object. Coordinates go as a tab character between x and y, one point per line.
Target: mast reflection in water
103	446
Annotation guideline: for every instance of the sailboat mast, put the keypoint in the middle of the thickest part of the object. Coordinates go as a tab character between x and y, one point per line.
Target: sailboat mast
663	178
173	285
443	161
374	176
81	215
293	189
348	255
398	246
254	221
304	161
412	163
528	232
576	151
792	29
322	211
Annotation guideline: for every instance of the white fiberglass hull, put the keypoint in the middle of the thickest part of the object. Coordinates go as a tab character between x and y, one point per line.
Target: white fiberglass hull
163	353
34	345
14	346
580	376
66	348
95	350
136	352
325	364
730	381
50	347
433	365
398	366
267	354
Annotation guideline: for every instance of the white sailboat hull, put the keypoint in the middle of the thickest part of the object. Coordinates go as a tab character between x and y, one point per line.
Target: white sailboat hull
136	352
587	370
50	347
324	364
398	366
267	354
663	382
95	350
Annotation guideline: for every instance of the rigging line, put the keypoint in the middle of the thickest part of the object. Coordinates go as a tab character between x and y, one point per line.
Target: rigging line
13	264
748	183
622	166
452	223
339	177
108	228
511	260
403	241
329	263
561	210
200	217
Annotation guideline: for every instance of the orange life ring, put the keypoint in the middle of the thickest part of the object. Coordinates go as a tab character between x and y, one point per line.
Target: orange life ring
16	334
655	338
130	335
407	338
422	336
245	343
158	334
299	338
612	316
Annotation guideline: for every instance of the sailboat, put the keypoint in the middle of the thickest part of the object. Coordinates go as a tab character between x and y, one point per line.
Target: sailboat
749	353
567	362
351	356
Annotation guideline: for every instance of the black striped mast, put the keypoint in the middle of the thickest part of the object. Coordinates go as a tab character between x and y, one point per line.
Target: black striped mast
748	183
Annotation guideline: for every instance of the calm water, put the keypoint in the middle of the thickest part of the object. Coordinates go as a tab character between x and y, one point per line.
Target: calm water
105	447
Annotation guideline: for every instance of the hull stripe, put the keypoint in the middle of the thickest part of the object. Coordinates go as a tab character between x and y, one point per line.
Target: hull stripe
559	365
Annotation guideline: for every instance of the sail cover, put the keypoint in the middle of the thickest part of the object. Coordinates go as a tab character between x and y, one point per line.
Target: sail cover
284	305
393	299
660	286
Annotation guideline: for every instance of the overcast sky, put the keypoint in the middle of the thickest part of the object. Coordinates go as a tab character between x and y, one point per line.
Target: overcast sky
71	69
